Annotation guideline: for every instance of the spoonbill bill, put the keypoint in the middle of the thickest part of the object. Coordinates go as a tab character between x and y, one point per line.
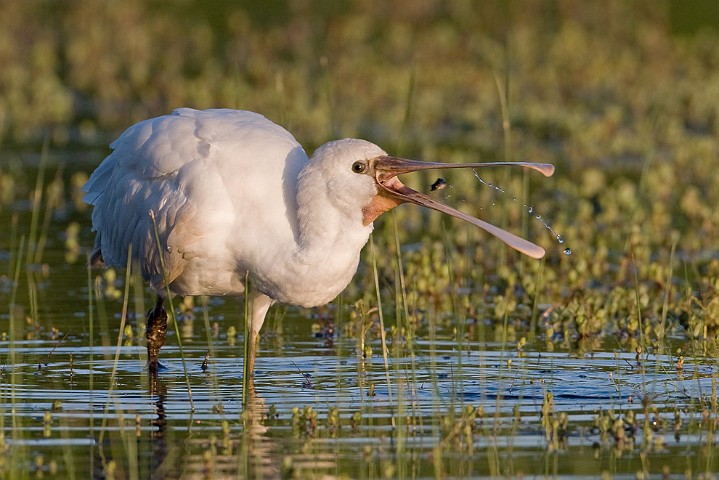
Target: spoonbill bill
203	200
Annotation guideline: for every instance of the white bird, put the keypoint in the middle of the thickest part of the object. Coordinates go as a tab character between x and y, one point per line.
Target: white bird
205	199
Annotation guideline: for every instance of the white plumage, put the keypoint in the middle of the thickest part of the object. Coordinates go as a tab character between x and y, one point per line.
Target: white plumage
234	194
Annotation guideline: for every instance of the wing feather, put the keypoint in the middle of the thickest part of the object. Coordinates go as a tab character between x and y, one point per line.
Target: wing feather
197	172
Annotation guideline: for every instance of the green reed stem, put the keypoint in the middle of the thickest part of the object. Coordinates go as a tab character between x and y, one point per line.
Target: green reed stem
383	333
12	354
503	95
36	202
51	202
539	283
172	309
668	283
116	361
401	137
212	352
637	296
459	319
246	373
13	244
91	357
410	328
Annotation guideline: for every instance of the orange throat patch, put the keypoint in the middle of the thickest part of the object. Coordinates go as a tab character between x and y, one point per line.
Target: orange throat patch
377	207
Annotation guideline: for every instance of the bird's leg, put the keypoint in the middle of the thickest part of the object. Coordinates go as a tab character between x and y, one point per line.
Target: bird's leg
260	303
155	333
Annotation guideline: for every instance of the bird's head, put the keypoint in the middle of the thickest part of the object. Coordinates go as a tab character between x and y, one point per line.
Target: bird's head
361	173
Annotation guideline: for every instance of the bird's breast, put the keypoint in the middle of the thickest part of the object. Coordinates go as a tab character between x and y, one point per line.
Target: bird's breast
309	285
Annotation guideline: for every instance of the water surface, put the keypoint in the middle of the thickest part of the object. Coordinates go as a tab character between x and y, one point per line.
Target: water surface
77	401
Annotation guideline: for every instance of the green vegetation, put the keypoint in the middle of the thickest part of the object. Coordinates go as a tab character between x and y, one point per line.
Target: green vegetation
455	348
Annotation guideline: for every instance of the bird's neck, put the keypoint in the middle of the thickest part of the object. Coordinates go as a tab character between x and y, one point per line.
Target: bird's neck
327	230
322	258
325	252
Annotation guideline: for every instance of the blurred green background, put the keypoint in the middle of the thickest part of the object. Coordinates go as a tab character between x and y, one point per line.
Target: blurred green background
573	69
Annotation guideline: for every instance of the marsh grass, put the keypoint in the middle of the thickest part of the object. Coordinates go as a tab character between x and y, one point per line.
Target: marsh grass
91	352
453	421
383	334
18	451
122	444
484	355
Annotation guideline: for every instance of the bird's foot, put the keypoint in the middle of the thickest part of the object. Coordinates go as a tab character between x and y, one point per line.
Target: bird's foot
155	333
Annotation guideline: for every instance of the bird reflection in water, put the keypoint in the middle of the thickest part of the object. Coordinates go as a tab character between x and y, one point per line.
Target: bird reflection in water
157	437
244	451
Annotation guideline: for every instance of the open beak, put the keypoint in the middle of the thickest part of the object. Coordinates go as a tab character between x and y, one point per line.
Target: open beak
392	192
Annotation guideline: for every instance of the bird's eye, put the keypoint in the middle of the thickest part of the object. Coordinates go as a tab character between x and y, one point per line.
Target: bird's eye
359	167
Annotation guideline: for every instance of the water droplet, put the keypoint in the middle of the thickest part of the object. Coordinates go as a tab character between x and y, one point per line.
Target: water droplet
567	251
530	209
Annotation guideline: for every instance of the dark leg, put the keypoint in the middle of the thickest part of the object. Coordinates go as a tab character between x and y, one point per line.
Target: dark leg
155	333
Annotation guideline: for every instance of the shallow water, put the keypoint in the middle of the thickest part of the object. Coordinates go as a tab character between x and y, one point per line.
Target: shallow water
76	402
76	409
